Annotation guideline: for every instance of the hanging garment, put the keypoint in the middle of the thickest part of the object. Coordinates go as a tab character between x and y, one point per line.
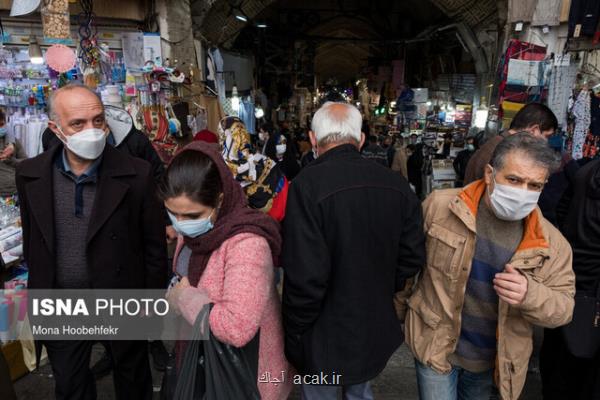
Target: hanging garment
547	12
214	113
562	80
564	10
585	13
581	113
595	113
590	147
246	114
220	81
525	73
521	10
27	132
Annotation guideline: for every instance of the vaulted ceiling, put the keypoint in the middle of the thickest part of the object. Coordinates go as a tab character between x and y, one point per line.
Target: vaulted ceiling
341	35
214	21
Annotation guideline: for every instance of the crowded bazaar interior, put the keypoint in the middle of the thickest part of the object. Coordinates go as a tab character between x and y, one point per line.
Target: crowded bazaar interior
433	80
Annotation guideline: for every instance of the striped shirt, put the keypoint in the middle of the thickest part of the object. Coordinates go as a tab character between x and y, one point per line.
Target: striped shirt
496	243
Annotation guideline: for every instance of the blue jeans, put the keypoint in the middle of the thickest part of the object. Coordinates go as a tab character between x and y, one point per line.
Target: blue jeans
458	384
362	391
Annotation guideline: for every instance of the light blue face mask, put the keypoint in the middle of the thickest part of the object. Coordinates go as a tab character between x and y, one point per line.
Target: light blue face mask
192	227
3	131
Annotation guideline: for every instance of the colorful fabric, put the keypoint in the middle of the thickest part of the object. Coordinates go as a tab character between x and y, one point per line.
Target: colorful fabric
259	176
590	147
581	113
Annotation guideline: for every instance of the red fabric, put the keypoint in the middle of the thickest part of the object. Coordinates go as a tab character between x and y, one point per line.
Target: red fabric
277	210
234	217
206	136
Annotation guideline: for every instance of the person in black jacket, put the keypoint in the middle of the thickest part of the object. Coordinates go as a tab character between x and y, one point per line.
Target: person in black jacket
90	220
565	376
345	255
135	144
462	159
278	148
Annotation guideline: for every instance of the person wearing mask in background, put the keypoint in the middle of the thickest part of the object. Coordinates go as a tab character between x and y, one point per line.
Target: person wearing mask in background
565	376
400	161
264	133
90	221
136	144
225	256
495	268
338	288
278	149
462	159
374	152
534	118
10	154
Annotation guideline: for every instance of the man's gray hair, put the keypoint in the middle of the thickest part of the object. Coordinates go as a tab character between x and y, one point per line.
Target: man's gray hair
72	86
337	123
533	147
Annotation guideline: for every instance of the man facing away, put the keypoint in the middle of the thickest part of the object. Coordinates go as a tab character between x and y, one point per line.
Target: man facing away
535	118
91	220
345	256
495	267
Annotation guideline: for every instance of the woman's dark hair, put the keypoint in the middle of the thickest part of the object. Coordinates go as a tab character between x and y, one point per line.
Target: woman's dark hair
193	174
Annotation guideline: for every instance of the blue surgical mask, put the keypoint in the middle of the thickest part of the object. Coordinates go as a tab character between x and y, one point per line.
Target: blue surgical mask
192	227
471	147
3	131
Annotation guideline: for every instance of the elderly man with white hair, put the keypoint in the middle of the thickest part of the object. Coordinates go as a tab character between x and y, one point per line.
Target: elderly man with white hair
353	235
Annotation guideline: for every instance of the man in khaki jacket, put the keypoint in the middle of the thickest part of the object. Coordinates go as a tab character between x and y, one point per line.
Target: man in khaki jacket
495	267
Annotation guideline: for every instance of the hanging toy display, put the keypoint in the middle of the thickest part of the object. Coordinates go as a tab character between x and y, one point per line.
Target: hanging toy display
88	52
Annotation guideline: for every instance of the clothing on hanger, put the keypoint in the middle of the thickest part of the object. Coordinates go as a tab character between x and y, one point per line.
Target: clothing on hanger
581	113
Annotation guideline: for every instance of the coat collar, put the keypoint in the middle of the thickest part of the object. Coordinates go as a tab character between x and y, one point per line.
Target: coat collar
109	194
114	163
466	205
337	152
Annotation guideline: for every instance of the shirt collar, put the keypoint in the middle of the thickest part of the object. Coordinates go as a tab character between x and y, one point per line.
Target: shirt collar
110	139
64	166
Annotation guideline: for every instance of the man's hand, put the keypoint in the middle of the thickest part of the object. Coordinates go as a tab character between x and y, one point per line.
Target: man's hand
171	234
511	286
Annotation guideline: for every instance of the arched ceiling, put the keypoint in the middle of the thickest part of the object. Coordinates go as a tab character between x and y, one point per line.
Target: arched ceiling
214	22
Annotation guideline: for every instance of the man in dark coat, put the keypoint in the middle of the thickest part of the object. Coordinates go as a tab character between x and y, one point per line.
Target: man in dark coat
353	235
90	220
135	144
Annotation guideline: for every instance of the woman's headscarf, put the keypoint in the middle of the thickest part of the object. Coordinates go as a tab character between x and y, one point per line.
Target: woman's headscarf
259	176
234	217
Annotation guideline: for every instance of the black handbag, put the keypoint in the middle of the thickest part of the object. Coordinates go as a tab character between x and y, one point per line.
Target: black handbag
212	370
582	334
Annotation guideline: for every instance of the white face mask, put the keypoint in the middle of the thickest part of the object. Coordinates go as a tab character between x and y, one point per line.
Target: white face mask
87	144
512	204
281	148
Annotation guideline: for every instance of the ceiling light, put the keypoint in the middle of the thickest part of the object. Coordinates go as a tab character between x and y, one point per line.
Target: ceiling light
235	99
239	15
259	112
35	52
261	25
